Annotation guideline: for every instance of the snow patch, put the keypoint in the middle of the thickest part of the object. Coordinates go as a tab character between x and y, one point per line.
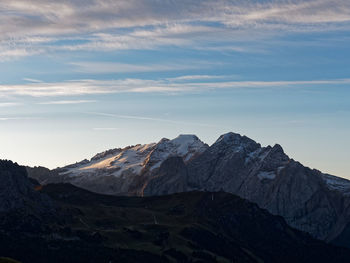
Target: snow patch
252	155
266	175
336	183
259	154
133	159
185	146
129	159
279	169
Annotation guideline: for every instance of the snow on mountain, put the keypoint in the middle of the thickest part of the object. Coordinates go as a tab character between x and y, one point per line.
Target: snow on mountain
185	146
336	183
134	159
129	159
266	175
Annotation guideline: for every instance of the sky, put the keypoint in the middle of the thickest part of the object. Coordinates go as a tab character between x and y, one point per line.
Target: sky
80	77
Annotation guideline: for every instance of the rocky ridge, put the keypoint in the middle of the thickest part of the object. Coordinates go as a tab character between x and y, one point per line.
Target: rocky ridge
123	171
308	199
22	208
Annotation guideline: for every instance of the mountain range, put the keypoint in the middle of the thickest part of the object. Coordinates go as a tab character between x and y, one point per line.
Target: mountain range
309	200
64	223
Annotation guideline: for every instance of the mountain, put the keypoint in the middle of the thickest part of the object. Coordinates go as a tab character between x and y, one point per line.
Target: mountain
123	171
308	200
185	227
76	225
22	208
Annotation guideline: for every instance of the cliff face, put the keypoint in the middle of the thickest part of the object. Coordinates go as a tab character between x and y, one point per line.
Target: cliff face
266	176
172	177
22	208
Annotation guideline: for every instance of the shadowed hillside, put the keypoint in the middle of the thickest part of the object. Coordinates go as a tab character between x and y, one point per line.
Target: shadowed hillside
64	223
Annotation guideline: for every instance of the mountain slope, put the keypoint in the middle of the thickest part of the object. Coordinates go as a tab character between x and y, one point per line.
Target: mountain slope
218	226
308	199
268	177
123	171
21	207
184	227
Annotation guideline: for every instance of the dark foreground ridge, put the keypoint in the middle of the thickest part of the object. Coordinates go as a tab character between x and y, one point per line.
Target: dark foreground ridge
63	223
218	226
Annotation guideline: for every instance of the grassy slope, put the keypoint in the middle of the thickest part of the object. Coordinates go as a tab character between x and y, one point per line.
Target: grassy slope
216	227
7	260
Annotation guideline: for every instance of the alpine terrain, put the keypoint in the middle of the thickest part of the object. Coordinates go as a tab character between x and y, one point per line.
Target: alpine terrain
308	199
64	223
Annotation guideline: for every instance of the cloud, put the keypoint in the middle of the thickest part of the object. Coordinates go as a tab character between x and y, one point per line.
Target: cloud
32	80
146	118
18	118
9	104
7	118
197	77
30	27
9	54
64	102
105	129
113	67
174	86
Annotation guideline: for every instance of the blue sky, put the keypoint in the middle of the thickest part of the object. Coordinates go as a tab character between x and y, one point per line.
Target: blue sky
80	77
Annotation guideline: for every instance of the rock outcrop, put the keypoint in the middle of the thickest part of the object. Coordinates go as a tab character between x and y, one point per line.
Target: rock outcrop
22	208
268	177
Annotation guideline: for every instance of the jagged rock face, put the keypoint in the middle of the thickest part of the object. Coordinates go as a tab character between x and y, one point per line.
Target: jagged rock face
268	177
214	168
127	171
171	178
21	206
308	199
41	174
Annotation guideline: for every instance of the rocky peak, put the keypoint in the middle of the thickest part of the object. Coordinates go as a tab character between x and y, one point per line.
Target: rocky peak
14	186
229	138
106	153
21	206
274	158
277	148
185	145
234	142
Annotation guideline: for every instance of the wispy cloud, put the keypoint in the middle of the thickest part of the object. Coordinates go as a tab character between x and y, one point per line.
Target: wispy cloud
18	118
9	104
105	129
86	87
112	67
8	53
34	26
32	80
64	102
146	118
198	77
7	118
